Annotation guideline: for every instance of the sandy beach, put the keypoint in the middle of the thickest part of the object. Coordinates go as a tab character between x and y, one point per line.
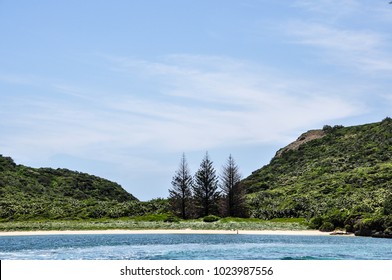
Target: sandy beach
180	231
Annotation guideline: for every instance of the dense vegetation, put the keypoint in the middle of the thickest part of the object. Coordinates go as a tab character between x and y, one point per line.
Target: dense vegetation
43	193
340	179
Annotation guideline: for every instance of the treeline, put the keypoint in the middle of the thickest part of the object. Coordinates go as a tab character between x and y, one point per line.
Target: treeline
206	194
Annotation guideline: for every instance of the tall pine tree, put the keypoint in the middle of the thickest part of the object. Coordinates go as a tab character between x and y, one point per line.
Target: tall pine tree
233	192
181	192
205	189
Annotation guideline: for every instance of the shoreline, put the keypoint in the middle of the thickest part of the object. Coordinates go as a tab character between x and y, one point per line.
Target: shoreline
177	231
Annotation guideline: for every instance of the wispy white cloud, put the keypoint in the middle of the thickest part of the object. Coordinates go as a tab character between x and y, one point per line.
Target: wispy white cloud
337	39
363	50
331	8
335	11
334	31
204	102
31	80
212	101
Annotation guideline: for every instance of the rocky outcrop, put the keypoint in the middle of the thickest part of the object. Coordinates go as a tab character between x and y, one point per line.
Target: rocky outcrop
303	139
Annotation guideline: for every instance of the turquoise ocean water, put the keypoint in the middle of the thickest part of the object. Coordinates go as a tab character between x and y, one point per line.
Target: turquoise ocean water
193	247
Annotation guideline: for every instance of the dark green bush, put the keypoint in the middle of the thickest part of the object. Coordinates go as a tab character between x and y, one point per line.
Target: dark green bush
327	226
327	128
377	223
387	221
387	207
316	222
151	218
337	218
388	231
362	208
349	228
210	219
363	227
366	227
172	219
352	220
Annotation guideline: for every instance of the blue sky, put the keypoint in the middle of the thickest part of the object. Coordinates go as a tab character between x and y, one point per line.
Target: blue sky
121	89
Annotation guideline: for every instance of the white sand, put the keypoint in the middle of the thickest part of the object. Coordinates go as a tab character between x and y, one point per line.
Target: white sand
179	231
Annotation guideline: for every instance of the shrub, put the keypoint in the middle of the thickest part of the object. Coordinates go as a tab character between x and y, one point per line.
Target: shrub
350	222
210	219
349	228
362	208
172	219
327	128
366	227
388	231
387	206
387	221
363	227
316	222
377	223
327	226
337	218
151	218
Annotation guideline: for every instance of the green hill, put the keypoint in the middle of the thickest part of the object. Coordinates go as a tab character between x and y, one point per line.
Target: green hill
339	176
46	193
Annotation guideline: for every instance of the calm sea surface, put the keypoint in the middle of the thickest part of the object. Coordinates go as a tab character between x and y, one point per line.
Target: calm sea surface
193	247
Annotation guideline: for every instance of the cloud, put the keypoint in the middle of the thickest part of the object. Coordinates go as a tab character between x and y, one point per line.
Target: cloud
337	39
195	103
332	30
211	101
331	8
334	11
362	50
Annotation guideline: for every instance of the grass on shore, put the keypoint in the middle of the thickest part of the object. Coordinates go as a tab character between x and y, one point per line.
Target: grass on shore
146	222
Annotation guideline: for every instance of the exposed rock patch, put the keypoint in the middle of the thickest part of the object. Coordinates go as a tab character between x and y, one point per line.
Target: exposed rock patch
303	139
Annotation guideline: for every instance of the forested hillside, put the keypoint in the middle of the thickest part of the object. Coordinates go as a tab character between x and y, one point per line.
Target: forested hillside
339	176
34	193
